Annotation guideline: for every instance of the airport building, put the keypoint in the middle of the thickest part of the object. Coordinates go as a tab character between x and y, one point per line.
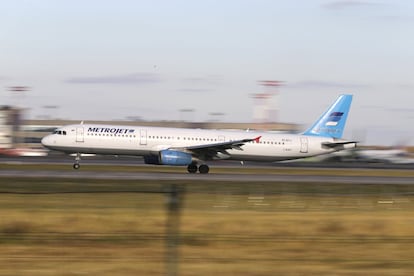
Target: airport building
10	123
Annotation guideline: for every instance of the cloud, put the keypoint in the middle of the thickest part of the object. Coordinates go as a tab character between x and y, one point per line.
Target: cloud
135	78
404	86
400	109
407	110
194	90
347	4
200	84
209	80
373	107
325	84
389	11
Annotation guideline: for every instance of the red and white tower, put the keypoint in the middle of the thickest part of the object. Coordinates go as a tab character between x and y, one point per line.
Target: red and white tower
265	108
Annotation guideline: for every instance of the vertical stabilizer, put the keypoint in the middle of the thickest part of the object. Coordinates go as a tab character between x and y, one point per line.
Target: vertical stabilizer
332	122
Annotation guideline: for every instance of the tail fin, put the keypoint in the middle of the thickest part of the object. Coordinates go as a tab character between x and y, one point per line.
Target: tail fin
332	122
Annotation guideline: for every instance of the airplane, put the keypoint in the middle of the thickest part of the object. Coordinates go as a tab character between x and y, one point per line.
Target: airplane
191	147
393	156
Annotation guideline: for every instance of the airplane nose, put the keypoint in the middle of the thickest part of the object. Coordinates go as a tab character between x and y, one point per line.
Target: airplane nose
46	141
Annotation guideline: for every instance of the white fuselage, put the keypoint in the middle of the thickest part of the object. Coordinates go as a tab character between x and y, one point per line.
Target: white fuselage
140	141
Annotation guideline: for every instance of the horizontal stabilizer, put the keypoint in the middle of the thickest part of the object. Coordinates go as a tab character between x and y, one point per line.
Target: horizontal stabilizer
340	145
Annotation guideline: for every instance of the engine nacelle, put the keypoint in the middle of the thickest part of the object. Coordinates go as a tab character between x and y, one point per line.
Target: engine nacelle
152	159
169	157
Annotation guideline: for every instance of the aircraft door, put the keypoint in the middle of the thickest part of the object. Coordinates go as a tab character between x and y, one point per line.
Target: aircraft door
303	144
221	138
79	135
143	137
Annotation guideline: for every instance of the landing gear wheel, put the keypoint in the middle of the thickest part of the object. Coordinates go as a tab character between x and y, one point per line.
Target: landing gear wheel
192	168
76	166
203	169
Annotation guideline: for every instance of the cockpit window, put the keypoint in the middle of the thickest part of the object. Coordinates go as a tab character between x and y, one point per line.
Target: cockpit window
59	132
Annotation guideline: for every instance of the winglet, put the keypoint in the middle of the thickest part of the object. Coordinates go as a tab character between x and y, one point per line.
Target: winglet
257	139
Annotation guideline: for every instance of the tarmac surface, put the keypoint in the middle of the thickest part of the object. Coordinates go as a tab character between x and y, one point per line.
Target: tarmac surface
212	176
209	177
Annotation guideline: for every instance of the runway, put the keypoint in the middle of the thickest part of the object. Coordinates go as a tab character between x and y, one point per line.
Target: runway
216	177
225	172
58	158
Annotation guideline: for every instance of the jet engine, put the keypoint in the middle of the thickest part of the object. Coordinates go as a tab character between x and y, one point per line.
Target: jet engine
169	157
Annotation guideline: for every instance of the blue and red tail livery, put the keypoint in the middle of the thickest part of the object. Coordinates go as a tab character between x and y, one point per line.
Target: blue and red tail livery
332	122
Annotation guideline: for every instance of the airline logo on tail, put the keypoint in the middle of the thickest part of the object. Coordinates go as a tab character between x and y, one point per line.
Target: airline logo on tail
332	122
334	118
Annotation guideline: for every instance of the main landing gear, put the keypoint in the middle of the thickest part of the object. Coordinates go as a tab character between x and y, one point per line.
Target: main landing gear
76	166
203	168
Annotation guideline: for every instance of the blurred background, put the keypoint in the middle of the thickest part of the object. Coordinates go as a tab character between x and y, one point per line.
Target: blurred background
267	65
211	61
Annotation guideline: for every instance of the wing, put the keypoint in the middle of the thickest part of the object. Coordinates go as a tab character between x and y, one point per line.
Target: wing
210	151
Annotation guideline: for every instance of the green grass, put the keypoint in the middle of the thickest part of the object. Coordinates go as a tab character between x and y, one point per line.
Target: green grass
78	185
105	227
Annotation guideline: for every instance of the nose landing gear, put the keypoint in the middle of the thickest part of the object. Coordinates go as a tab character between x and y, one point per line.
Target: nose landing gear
76	166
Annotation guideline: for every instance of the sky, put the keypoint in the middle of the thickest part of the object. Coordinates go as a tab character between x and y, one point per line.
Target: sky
101	60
